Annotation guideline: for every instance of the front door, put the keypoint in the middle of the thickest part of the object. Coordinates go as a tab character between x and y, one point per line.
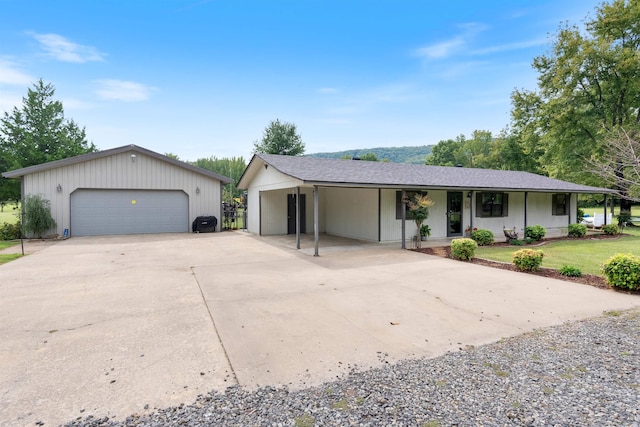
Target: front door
291	214
454	213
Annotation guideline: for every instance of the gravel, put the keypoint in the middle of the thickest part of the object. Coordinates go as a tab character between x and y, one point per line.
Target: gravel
577	374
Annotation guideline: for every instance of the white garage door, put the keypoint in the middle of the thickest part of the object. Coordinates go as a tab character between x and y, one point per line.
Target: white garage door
102	212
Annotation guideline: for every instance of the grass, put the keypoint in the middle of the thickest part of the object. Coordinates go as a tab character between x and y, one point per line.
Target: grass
8	214
587	255
5	258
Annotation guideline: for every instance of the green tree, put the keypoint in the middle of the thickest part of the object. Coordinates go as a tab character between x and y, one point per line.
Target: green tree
280	138
230	167
588	85
37	133
447	153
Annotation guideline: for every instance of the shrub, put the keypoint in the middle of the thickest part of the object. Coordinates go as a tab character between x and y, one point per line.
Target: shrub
463	249
623	271
528	240
580	214
570	271
482	237
536	232
577	230
37	215
10	231
528	259
516	242
624	219
610	229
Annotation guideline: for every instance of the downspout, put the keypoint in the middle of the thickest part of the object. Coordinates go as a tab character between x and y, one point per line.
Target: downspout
259	213
297	217
316	233
403	216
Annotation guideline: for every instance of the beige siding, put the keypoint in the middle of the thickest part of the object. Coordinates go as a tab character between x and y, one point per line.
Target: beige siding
120	172
352	212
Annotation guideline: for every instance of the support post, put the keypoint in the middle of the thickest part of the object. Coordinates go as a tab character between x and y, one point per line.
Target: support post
297	217
403	216
606	201
316	233
526	207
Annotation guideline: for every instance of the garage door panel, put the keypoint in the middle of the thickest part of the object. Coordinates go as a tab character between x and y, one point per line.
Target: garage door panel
104	212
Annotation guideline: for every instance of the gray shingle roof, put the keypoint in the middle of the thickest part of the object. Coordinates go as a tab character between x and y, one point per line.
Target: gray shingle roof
99	154
318	171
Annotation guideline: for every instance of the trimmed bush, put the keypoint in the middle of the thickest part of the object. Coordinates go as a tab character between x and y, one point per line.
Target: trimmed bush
535	232
463	249
10	231
610	229
623	271
570	271
528	259
516	242
577	230
482	237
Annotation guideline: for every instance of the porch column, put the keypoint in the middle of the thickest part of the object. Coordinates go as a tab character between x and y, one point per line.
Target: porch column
297	217
526	207
316	233
606	201
403	214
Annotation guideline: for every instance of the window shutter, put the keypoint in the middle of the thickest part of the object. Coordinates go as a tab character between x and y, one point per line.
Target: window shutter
478	205
505	204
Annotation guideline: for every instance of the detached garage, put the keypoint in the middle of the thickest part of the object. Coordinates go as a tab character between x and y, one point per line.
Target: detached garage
125	190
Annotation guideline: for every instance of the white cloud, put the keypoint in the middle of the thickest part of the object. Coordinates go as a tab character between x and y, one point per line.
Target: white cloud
455	44
122	90
10	74
441	50
511	46
62	49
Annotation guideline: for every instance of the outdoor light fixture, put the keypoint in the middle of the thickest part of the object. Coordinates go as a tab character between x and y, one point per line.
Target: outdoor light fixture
59	188
197	190
133	158
469	194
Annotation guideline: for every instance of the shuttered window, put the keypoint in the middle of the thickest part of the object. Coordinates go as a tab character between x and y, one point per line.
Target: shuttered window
490	205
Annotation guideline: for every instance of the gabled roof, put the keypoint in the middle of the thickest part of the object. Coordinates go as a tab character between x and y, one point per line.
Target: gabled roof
359	173
100	154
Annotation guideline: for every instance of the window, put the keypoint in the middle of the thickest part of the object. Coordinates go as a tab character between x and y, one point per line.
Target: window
559	204
492	205
399	203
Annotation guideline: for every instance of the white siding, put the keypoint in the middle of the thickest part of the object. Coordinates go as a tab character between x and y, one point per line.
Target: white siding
540	213
260	195
352	212
120	172
515	217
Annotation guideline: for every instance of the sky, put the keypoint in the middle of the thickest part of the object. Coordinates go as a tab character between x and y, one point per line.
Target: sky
200	78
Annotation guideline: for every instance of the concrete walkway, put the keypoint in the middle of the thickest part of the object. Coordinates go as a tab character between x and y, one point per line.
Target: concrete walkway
118	325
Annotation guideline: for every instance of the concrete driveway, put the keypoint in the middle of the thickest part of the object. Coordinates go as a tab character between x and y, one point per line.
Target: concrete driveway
111	326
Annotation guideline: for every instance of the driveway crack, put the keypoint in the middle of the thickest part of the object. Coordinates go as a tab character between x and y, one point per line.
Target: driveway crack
215	328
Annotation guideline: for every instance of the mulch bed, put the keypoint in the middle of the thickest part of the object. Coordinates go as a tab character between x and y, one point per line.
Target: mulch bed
585	279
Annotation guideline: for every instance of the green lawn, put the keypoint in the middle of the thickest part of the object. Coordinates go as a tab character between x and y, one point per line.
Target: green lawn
588	255
4	258
9	214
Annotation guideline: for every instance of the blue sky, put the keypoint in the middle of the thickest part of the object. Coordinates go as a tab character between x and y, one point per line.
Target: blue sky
204	78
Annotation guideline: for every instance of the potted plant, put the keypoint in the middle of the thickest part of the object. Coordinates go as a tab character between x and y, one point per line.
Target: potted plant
425	231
